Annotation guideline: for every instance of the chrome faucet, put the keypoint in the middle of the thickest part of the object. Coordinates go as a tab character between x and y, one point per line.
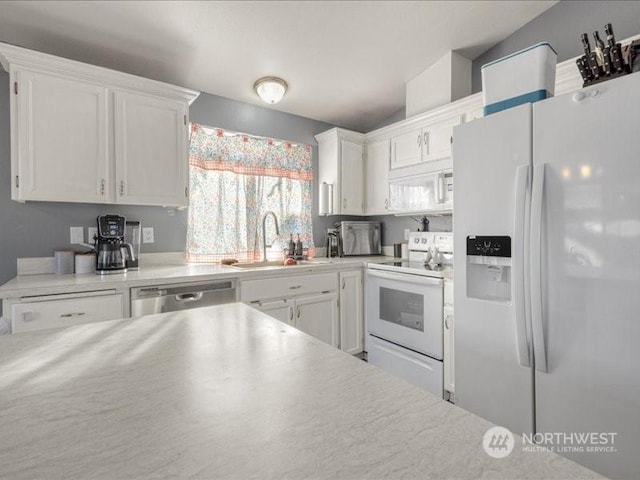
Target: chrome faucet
264	231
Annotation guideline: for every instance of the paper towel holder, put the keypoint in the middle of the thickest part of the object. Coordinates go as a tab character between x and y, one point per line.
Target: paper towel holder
325	202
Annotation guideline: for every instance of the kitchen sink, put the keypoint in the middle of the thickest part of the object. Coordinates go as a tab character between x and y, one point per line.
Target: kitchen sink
279	263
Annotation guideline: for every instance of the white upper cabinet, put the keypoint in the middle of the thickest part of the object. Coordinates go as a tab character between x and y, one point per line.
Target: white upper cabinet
406	148
377	178
81	133
150	134
424	144
341	165
351	177
62	139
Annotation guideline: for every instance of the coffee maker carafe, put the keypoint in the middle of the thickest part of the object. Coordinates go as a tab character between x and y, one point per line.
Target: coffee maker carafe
110	245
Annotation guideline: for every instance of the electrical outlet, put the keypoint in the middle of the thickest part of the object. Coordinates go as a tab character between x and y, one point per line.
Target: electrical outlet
76	235
92	233
406	233
147	235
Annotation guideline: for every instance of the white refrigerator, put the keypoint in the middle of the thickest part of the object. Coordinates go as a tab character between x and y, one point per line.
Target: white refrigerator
547	293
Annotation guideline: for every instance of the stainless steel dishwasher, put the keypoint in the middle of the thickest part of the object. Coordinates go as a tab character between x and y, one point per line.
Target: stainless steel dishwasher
171	298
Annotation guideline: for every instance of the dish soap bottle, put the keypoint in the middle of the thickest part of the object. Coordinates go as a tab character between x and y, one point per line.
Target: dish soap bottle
291	250
298	249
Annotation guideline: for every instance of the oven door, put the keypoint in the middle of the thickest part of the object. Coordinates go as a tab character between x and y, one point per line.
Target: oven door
406	309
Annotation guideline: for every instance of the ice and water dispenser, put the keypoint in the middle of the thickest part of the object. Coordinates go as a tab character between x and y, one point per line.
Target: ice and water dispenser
489	267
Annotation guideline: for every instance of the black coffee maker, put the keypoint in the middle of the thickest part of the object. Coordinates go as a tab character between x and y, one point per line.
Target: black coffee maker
110	245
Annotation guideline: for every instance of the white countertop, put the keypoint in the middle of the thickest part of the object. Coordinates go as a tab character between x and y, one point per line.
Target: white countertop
48	284
228	392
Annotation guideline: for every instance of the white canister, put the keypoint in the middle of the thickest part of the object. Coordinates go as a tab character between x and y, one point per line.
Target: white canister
85	262
63	261
405	251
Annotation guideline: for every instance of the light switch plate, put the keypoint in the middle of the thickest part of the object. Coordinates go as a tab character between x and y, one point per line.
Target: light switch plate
76	235
147	235
92	232
406	233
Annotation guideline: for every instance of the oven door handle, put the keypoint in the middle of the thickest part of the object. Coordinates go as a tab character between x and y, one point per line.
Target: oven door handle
405	277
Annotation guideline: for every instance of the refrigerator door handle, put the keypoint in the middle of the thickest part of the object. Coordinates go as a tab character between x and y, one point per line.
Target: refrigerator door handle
522	182
535	262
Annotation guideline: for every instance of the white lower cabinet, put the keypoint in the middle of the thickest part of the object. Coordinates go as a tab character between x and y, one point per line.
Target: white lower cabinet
351	312
279	309
56	311
318	316
309	302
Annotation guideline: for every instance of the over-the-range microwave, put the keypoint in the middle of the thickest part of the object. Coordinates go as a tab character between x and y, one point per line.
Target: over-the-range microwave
423	192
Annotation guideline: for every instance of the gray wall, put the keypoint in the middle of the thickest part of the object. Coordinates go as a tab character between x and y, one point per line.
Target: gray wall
36	229
561	26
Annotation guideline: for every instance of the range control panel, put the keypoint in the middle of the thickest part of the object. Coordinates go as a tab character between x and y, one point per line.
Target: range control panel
489	246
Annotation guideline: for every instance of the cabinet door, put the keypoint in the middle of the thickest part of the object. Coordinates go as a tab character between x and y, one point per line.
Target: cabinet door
351	317
62	139
151	150
351	178
279	309
31	316
377	175
318	316
437	139
406	149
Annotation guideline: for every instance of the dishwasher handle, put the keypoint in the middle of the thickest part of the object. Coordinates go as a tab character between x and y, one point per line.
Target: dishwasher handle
188	297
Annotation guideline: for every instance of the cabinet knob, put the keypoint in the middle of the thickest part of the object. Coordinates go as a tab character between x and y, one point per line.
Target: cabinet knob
343	283
27	316
291	314
426	137
121	187
344	203
419	140
386	204
298	312
102	186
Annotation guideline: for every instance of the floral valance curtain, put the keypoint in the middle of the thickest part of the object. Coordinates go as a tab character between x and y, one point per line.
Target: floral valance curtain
234	179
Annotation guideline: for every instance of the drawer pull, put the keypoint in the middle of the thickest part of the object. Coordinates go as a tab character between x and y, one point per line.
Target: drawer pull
74	314
298	312
295	287
27	316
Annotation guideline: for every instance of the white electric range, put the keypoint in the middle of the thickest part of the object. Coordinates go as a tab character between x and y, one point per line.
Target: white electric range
404	310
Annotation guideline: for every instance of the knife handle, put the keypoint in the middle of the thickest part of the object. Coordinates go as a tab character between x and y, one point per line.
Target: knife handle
611	39
585	44
583	68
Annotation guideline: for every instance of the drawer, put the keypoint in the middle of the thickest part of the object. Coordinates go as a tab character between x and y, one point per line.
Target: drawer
448	292
40	315
283	287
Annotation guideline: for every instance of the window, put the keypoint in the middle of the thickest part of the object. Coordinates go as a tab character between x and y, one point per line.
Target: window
234	179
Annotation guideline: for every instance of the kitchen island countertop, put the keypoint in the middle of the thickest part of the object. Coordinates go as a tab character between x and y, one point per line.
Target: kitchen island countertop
228	392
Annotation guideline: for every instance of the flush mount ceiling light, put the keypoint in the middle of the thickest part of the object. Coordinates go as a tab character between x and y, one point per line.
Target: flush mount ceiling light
270	89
